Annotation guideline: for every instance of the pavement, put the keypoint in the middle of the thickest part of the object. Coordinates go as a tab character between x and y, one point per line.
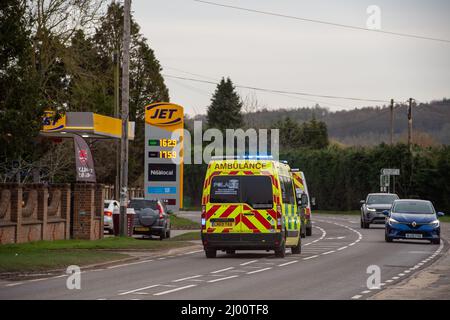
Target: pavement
333	264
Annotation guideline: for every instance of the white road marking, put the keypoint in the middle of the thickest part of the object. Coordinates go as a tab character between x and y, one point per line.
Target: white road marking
13	284
196	251
174	290
129	264
328	252
287	263
260	270
248	262
221	279
312	257
221	270
187	278
139	289
357	296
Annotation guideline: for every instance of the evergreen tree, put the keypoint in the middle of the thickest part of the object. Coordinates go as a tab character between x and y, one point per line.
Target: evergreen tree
314	134
225	109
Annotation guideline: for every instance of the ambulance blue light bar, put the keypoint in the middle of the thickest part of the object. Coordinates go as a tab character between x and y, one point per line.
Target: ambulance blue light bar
244	157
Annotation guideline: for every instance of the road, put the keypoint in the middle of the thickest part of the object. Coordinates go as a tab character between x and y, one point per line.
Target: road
333	265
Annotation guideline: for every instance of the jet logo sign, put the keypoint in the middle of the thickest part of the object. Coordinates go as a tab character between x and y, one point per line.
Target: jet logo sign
163	114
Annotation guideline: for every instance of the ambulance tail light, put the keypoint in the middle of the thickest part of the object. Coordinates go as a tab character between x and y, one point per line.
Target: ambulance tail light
279	218
203	217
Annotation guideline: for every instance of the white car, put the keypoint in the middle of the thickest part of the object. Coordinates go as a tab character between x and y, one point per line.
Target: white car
109	207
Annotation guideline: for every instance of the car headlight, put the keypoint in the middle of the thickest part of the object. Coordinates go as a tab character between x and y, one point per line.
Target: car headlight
371	209
434	223
392	221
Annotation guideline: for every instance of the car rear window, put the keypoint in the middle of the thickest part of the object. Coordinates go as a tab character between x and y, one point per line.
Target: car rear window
413	207
253	190
141	204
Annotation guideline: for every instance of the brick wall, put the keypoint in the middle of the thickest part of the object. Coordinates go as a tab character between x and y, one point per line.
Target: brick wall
32	212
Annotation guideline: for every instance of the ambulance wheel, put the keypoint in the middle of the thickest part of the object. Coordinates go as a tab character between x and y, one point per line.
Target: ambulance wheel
309	231
230	251
210	253
303	232
298	248
280	252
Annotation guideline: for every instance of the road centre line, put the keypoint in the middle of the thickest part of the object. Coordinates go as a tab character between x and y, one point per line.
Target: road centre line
259	270
312	257
221	279
139	289
188	278
174	290
221	270
287	263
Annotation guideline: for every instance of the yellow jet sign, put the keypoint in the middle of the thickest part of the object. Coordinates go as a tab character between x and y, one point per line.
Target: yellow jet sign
164	114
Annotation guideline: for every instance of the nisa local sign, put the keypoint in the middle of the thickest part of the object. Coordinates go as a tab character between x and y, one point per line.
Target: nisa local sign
52	122
164	114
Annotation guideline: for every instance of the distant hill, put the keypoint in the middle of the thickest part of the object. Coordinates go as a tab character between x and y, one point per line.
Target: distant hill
368	125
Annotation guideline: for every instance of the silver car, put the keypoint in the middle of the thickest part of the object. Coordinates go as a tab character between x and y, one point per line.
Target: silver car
372	208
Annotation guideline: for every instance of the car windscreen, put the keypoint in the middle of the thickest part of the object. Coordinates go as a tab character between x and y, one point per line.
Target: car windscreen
253	190
381	199
141	204
413	207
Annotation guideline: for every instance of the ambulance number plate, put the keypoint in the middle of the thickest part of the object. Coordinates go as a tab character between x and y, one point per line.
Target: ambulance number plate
228	222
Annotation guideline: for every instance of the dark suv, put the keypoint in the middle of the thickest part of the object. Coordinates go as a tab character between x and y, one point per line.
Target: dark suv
372	208
151	218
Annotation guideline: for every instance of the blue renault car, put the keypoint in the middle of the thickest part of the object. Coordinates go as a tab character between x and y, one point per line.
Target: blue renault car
413	219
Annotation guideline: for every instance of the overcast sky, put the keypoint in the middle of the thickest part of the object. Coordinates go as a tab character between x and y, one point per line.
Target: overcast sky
283	54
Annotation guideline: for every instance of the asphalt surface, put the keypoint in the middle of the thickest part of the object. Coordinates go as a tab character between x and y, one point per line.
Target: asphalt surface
333	265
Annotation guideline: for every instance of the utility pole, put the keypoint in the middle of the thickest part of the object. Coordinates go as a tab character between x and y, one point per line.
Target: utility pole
410	124
117	114
125	116
392	121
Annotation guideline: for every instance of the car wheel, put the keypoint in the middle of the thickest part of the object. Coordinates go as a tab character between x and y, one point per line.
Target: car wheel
309	231
387	238
210	253
363	225
436	241
298	248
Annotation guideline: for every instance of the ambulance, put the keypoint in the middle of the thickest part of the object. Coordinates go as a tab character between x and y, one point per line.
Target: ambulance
249	203
302	188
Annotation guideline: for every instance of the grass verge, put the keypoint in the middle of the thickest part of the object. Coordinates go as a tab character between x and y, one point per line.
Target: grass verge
47	255
194	235
181	223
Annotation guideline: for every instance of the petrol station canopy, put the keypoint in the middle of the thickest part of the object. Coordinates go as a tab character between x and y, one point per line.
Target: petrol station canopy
85	124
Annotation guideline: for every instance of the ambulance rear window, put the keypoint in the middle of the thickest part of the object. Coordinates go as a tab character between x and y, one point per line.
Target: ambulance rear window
253	190
224	189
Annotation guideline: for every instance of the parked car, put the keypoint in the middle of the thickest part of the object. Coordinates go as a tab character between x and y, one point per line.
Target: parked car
413	219
109	207
151	218
372	208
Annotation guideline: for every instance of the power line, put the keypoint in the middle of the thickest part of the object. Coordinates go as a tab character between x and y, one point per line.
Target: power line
323	22
281	91
276	93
